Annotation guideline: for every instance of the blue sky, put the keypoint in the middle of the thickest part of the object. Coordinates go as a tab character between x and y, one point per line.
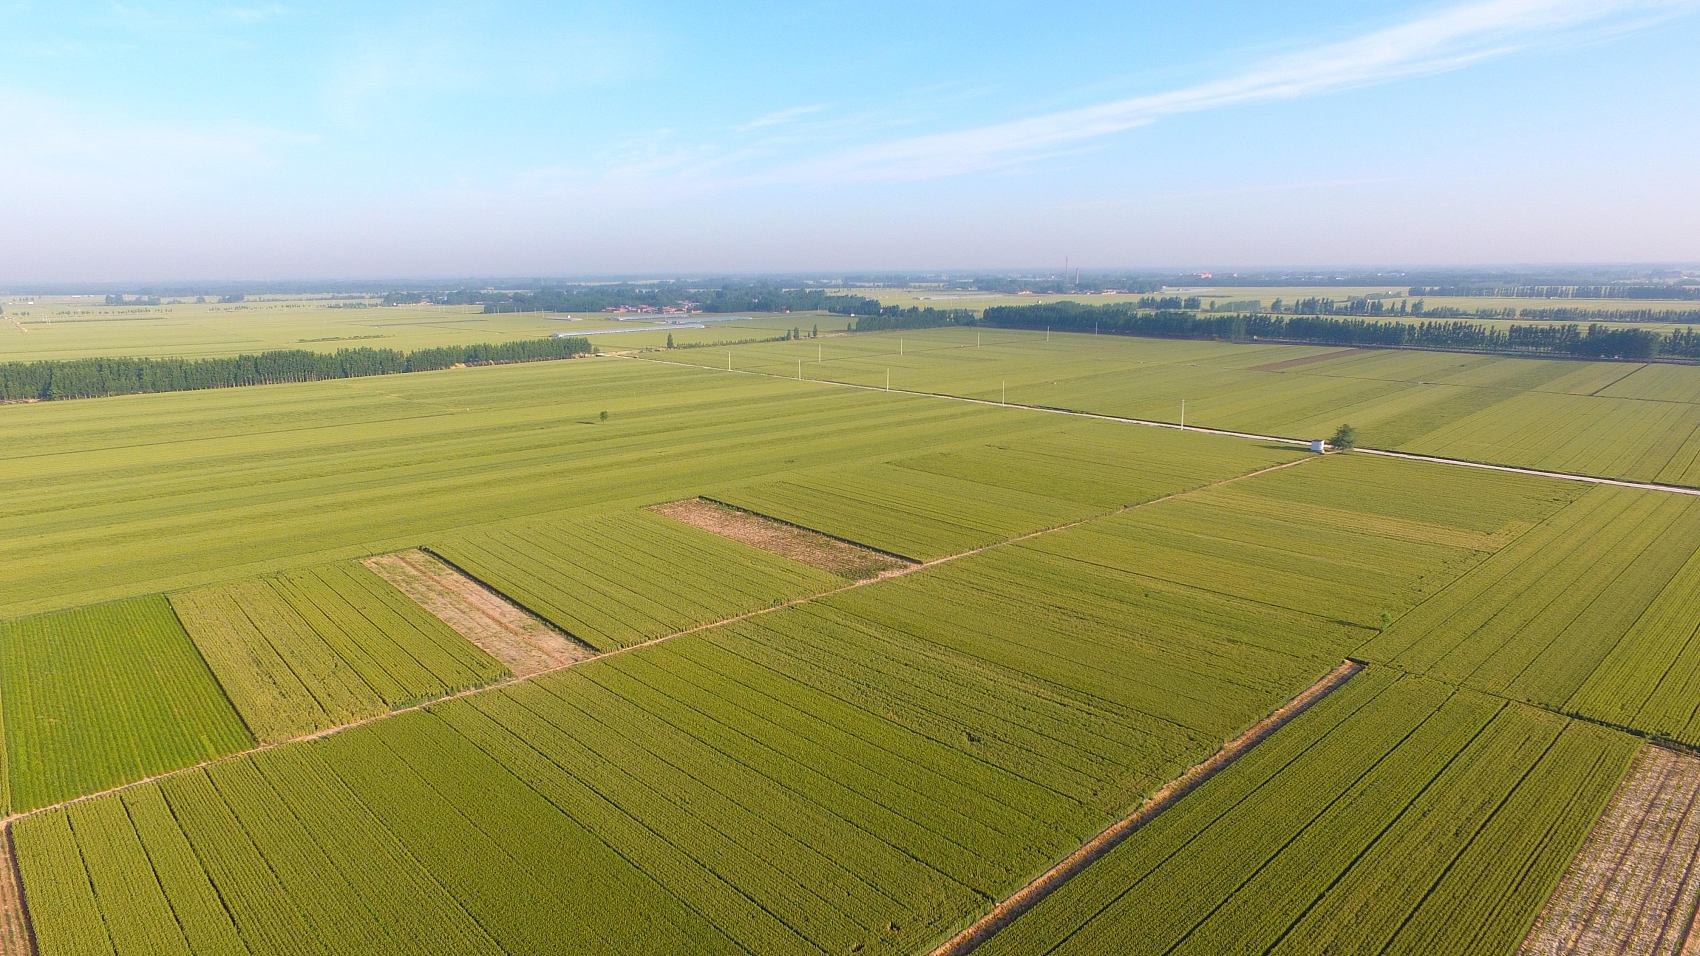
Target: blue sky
288	139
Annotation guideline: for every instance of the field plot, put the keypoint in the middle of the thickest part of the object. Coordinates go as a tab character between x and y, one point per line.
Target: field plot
1591	612
1634	884
1352	539
621	579
312	649
123	496
100	696
1597	418
1397	816
914	514
1092	464
866	770
70	329
522	642
787	540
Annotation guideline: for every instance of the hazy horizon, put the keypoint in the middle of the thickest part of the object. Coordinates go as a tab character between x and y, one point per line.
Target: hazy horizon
189	142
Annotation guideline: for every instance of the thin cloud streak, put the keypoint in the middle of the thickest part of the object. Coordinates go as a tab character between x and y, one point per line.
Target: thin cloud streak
1437	43
780	117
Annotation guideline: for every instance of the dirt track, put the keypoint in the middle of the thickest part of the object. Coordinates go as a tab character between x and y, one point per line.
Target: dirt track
525	644
15	936
1632	887
777	537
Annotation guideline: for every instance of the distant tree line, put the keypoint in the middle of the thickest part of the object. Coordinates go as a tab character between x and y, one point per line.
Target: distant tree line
1593	341
1378	305
1654	291
739	297
97	377
896	317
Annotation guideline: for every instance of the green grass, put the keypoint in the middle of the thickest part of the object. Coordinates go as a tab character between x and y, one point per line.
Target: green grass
871	768
838	773
1398	816
68	328
1588	417
99	696
1579	614
618	580
324	646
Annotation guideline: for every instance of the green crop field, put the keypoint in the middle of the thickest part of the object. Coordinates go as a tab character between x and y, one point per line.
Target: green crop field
1400	816
68	327
763	757
1611	419
315	648
99	696
618	580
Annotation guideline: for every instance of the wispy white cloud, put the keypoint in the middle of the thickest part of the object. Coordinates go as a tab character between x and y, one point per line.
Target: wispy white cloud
1439	42
780	117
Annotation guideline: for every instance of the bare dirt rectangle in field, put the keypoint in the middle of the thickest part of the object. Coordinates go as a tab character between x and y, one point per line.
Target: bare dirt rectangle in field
778	537
1633	885
15	938
507	632
1285	364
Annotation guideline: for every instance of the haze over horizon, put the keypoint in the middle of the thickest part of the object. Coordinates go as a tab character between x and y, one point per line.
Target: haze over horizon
160	141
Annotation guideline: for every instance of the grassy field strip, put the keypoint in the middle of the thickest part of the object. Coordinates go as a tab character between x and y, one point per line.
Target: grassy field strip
1386	452
1634	884
1024	899
509	681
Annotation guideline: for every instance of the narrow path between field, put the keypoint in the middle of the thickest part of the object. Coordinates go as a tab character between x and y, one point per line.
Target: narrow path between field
16	937
1153	423
1167	796
630	648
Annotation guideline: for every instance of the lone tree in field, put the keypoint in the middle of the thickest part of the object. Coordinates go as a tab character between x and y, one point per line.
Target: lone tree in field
669	340
1345	438
603	416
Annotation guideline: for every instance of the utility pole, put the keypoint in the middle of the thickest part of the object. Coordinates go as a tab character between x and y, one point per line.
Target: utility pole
799	370
728	360
888	379
1005	399
1183	414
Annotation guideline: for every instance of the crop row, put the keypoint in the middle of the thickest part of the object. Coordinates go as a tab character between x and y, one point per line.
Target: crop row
306	650
1397	816
102	695
913	513
839	774
618	580
1542	414
1589	612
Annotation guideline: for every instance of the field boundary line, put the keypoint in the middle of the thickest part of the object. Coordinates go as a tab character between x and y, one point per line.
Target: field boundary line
1030	895
17	930
1227	432
512	680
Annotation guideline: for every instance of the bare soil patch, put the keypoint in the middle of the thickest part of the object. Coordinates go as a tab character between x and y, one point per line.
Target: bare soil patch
1298	362
15	936
1632	887
800	544
1167	796
507	632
